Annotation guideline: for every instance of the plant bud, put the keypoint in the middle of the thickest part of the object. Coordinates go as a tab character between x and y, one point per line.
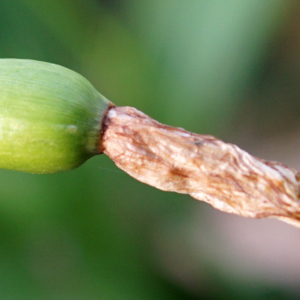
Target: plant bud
50	117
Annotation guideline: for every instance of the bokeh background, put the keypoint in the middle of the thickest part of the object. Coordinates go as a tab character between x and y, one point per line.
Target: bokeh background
229	68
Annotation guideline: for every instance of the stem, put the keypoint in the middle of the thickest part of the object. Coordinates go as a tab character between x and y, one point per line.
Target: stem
173	159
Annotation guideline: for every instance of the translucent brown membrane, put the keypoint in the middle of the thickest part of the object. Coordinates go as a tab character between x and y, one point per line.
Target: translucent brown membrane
173	159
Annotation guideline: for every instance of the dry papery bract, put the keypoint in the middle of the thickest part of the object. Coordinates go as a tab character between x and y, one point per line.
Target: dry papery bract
173	159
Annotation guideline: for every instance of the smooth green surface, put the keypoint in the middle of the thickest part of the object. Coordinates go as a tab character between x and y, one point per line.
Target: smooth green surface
50	117
95	232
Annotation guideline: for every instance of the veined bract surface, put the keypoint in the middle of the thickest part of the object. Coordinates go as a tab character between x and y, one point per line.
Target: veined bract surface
50	117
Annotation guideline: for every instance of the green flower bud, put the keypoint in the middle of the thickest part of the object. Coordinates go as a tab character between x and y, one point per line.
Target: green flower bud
50	117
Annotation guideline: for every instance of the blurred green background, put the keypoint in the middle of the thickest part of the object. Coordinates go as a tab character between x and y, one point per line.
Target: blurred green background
229	68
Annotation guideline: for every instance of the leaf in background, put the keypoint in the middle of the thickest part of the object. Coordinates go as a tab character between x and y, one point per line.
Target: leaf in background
208	51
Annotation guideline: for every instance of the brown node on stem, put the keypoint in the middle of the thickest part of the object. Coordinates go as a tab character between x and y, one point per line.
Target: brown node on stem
173	159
